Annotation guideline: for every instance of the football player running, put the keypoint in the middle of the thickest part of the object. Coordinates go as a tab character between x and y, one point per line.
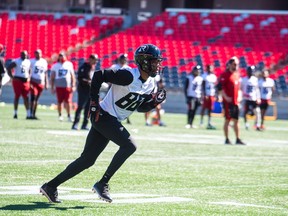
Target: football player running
131	90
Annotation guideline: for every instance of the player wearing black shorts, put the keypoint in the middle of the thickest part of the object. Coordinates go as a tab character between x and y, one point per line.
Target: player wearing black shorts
131	90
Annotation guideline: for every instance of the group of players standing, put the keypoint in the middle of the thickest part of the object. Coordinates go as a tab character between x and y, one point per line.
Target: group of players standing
255	90
31	76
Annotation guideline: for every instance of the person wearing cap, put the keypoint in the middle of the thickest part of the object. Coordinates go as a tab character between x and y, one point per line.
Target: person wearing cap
251	95
193	93
84	76
20	81
63	83
2	66
230	88
39	80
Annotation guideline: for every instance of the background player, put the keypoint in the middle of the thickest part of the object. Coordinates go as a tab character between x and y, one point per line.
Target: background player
267	86
63	83
193	94
209	84
84	76
230	86
251	96
121	61
39	80
132	89
2	66
20	81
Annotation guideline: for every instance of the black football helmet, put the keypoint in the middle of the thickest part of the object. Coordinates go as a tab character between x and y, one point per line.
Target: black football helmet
144	56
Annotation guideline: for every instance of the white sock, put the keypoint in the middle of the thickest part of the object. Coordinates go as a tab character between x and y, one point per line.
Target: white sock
28	113
15	112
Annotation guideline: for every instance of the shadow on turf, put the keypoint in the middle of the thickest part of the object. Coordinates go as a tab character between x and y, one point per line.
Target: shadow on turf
37	205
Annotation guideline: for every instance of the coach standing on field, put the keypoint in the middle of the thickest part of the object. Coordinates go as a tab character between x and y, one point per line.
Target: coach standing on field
84	76
230	85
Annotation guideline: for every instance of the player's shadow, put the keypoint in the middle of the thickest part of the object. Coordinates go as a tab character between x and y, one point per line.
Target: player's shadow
37	205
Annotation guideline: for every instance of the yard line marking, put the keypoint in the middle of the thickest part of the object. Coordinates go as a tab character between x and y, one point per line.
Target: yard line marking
244	204
121	197
176	138
146	200
33	161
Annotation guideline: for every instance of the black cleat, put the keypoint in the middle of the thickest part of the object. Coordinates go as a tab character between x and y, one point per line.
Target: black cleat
102	189
227	142
50	192
74	127
34	118
239	142
85	128
15	116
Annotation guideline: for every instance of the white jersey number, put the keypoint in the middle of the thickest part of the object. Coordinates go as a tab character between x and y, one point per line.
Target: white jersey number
130	102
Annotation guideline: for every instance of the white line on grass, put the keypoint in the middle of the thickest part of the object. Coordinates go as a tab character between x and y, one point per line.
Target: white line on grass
33	161
178	138
120	198
243	204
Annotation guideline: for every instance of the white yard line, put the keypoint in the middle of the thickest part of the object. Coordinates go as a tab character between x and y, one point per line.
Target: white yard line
66	193
33	161
243	204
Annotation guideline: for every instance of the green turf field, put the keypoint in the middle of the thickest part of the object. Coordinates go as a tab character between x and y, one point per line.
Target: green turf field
175	171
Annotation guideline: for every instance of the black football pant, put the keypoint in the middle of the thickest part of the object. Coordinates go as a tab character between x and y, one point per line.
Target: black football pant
107	128
83	103
193	104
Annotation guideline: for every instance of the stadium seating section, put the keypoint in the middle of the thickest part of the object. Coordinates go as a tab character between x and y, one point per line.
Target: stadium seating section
52	32
185	38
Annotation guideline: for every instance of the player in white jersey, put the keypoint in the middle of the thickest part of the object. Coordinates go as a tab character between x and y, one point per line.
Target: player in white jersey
121	61
267	86
193	94
39	80
251	96
63	82
209	90
21	81
131	90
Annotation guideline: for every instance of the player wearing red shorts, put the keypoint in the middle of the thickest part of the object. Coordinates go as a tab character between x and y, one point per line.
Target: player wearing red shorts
209	83
20	81
230	86
39	80
63	84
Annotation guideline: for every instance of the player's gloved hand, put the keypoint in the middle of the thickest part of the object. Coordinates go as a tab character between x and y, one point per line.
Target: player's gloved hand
159	96
94	111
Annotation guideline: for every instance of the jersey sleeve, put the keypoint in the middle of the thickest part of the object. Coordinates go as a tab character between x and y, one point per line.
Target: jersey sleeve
119	77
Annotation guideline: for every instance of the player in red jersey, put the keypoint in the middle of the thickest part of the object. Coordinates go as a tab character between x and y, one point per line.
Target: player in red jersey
230	86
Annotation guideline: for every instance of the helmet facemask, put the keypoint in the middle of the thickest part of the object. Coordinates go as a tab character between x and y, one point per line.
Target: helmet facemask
148	59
